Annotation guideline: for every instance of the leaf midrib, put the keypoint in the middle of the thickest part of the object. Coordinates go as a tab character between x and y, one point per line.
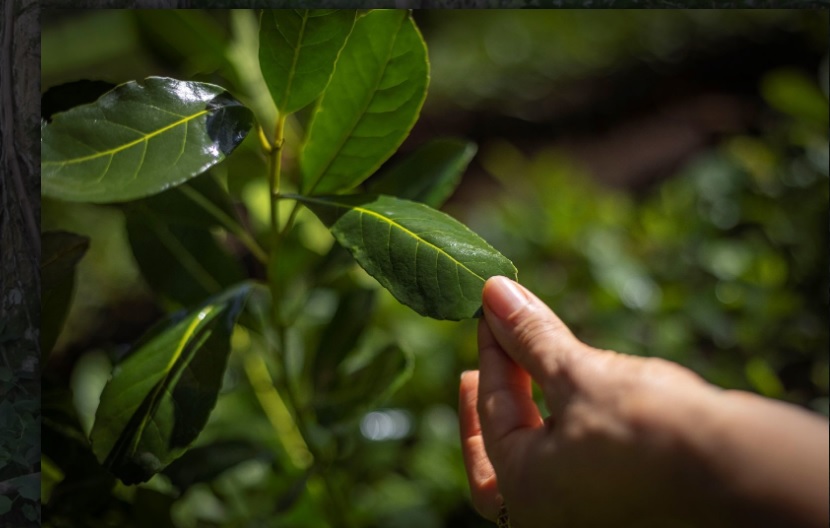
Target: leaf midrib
392	223
162	384
120	148
363	111
294	60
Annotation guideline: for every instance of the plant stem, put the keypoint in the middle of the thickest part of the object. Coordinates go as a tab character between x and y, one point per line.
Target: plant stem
229	223
338	513
276	411
275	165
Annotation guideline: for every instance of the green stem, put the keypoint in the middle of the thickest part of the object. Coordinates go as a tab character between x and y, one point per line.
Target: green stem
227	222
275	168
338	513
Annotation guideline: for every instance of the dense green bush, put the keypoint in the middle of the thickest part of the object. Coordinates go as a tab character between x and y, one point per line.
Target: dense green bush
722	268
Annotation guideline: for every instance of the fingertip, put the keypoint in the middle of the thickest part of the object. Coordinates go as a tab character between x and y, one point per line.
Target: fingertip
503	297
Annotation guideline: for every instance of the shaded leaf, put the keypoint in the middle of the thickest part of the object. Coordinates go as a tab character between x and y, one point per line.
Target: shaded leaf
60	254
297	51
28	486
152	508
139	139
181	204
425	258
370	104
160	395
204	463
191	39
363	386
181	262
69	95
428	175
341	334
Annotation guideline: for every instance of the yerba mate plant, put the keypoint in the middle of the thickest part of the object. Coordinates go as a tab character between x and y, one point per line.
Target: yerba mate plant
358	80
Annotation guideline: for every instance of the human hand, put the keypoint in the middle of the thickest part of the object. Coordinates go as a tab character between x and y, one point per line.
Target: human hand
630	441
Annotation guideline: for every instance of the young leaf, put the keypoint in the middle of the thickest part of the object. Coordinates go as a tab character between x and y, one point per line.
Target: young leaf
426	259
139	139
370	104
160	396
61	253
297	51
429	174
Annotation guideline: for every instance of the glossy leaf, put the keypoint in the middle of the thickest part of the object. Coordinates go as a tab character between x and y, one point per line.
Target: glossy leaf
425	258
297	51
428	175
160	396
370	104
61	253
139	139
181	262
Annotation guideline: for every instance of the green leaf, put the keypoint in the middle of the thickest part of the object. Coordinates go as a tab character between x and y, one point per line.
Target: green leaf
426	259
191	40
182	204
341	335
181	262
362	385
160	395
28	486
204	463
139	139
297	51
5	504
60	254
370	104
428	175
65	96
794	93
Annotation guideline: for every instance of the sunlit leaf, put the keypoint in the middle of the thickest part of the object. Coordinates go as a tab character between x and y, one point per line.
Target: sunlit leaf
161	394
297	51
425	258
60	254
139	139
429	174
370	104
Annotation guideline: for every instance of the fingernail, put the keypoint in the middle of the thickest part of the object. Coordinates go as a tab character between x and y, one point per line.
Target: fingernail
503	297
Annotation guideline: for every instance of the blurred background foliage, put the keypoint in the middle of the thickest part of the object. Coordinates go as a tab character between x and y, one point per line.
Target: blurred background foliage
660	178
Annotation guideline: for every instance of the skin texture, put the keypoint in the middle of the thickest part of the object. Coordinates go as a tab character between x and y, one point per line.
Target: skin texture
630	441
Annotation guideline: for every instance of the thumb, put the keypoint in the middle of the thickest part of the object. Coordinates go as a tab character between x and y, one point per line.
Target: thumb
531	334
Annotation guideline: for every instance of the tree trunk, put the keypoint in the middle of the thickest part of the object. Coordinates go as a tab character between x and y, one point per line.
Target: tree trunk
19	261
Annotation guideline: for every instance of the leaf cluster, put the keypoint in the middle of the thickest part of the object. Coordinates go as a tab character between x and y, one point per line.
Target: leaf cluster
337	90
